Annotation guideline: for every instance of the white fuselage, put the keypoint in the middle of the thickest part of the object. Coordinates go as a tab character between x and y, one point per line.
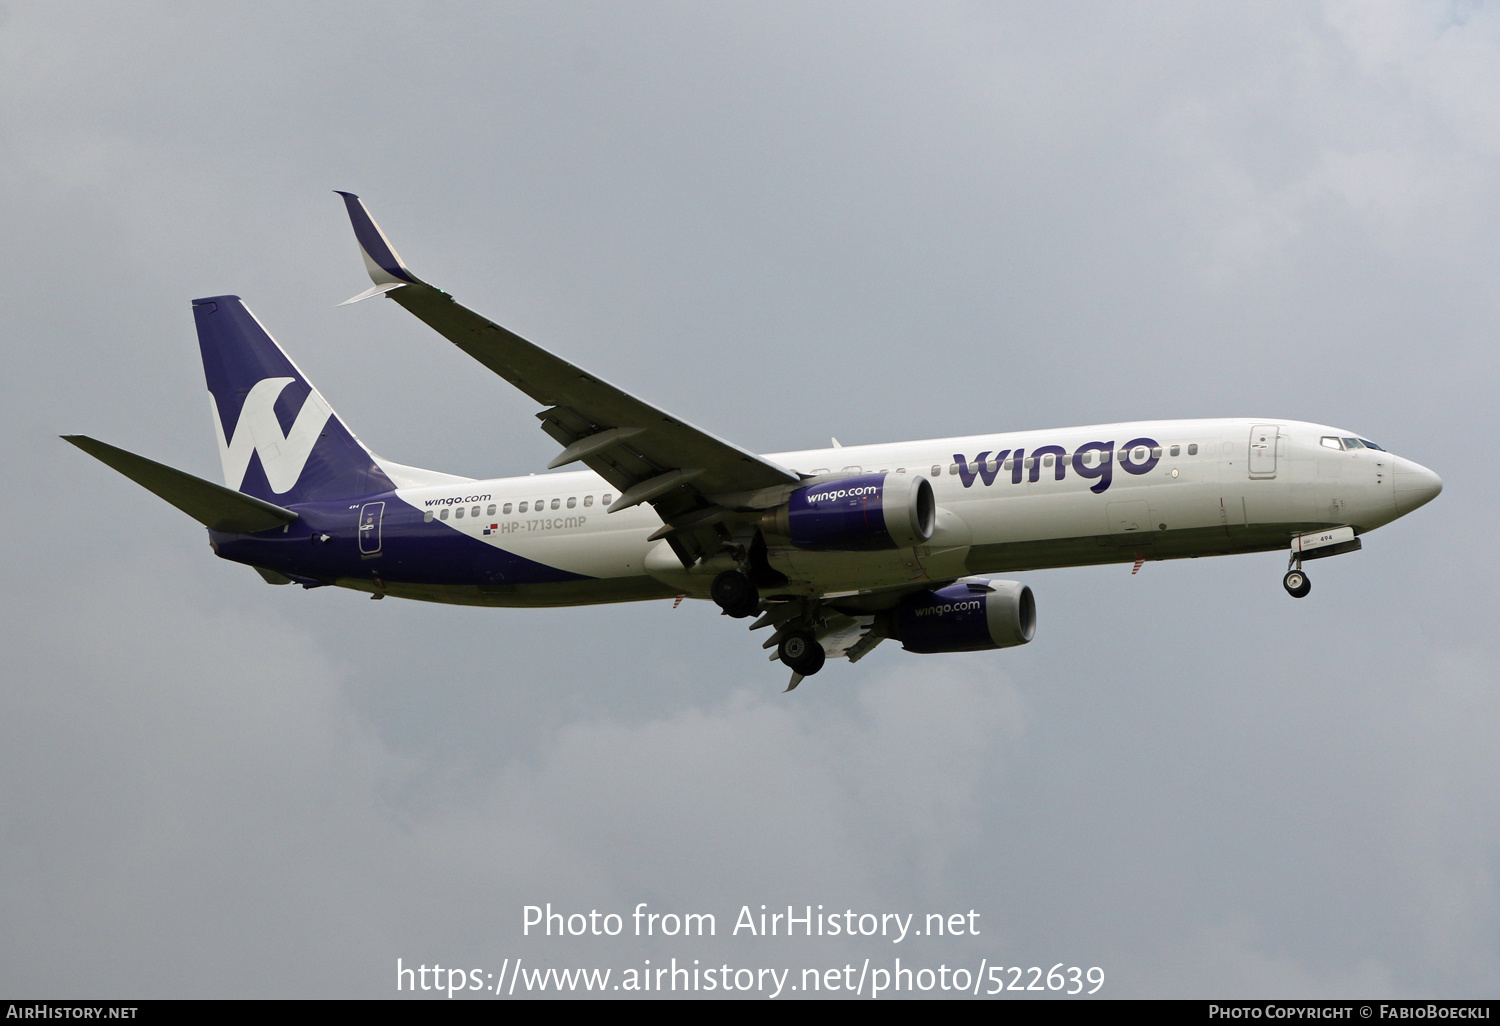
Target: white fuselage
1207	487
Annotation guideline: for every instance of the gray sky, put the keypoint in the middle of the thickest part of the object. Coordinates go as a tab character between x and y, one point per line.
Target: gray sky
782	222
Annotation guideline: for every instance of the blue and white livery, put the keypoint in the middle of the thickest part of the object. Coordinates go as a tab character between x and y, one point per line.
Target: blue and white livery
834	549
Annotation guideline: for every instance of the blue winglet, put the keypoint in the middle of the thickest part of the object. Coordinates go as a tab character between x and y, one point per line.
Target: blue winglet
385	267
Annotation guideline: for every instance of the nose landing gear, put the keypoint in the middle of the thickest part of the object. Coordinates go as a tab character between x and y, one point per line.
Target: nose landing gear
1296	583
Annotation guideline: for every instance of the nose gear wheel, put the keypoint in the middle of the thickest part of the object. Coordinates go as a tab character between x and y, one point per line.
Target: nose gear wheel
1296	583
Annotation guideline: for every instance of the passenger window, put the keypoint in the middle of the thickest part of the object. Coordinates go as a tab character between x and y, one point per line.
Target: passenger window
523	507
474	512
1030	462
556	503
953	468
506	509
572	501
1193	449
900	470
855	469
427	517
1088	458
444	514
1047	460
604	500
1010	464
1353	443
490	510
588	500
458	514
1176	450
1156	453
937	471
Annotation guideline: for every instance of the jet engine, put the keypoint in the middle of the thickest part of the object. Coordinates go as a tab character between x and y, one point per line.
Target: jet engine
969	616
861	513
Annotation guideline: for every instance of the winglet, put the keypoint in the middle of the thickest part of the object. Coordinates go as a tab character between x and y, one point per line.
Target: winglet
385	267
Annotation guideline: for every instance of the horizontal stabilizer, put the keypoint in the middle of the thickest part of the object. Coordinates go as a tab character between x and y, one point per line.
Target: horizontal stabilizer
212	505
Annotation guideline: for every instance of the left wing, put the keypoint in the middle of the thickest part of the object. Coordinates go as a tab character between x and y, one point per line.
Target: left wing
694	480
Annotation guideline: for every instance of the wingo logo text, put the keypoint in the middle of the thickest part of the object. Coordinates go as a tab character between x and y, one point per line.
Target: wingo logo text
986	467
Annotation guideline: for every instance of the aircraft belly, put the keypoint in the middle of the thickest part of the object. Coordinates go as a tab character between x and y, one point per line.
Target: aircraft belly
843	571
563	593
1010	557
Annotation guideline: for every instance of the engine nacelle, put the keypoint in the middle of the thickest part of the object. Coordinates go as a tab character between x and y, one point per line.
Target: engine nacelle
967	617
869	511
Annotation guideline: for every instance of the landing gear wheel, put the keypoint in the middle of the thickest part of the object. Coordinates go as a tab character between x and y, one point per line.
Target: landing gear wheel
802	653
1296	584
735	594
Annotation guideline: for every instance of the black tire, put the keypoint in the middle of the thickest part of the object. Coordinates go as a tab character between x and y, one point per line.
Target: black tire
794	646
734	594
1296	583
801	651
816	657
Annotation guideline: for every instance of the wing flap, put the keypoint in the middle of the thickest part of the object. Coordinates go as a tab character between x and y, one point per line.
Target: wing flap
212	505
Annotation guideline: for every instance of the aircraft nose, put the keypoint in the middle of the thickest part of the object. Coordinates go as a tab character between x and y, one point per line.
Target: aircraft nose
1415	486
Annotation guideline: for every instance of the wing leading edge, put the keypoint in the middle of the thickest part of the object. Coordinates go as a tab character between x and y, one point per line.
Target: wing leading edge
694	480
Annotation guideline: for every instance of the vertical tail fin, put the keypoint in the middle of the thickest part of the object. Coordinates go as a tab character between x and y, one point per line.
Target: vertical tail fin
279	440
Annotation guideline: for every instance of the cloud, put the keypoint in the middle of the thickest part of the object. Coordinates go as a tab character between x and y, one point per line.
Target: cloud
916	222
185	804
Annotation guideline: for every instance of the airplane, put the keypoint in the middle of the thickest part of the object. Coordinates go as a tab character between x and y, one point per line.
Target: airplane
835	549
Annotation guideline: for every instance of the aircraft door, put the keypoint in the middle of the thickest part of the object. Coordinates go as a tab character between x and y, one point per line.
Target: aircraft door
370	515
1263	441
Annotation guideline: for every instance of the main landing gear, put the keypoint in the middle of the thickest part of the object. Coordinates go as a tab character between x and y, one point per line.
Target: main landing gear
802	652
734	594
796	645
1296	583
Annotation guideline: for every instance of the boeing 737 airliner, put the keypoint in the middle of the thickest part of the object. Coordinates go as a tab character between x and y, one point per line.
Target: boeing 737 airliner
835	549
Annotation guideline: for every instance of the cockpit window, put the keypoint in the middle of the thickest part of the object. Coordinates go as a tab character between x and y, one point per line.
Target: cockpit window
1330	442
1371	445
1353	443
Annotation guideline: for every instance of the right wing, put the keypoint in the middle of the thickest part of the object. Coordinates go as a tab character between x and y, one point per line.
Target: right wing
695	480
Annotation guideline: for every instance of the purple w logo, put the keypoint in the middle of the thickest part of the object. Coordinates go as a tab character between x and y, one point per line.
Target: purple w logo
984	468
